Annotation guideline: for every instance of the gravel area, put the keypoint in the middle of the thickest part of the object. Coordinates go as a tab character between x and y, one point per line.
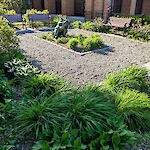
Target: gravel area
90	68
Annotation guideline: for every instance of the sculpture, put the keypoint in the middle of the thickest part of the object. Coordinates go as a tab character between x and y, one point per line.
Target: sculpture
61	29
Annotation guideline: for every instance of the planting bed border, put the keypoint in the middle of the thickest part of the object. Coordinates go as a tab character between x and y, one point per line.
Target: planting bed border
70	50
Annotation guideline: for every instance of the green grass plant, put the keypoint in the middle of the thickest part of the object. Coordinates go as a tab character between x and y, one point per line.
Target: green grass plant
73	43
135	108
133	77
52	83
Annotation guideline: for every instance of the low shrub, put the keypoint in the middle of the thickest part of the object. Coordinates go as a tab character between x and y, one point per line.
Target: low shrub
118	137
62	40
9	56
77	24
92	42
35	116
44	36
81	38
73	43
139	32
8	38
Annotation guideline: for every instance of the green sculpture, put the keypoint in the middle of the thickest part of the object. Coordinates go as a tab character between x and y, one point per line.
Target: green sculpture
61	29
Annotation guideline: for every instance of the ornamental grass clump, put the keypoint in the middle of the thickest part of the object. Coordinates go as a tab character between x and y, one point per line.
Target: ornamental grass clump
73	43
93	41
52	83
133	77
135	108
62	40
36	115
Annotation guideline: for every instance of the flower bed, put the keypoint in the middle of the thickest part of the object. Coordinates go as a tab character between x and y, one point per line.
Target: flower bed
79	43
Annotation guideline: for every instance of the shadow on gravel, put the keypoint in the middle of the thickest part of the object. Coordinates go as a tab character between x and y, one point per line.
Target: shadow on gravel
105	51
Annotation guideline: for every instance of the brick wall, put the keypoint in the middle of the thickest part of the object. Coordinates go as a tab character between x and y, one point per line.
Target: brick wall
146	7
67	7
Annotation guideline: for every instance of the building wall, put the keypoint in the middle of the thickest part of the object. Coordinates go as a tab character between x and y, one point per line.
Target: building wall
79	7
36	4
126	4
146	7
67	7
50	5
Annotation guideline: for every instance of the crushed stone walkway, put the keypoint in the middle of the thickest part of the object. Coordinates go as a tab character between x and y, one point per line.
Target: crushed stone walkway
90	68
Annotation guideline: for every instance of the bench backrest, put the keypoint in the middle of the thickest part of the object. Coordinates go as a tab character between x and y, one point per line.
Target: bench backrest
13	18
74	18
38	17
120	22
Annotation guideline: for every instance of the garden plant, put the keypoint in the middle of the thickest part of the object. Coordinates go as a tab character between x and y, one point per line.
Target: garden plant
79	43
41	110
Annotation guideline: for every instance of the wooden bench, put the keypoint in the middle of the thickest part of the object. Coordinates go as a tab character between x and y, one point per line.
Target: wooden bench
119	22
75	18
38	18
14	19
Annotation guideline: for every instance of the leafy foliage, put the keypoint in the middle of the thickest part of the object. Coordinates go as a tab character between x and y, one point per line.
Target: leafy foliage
62	40
5	89
8	39
135	108
20	68
52	83
133	77
92	42
73	43
115	138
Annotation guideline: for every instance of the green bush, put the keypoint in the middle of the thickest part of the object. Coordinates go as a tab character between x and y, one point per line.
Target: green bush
7	12
92	42
139	32
62	40
81	38
44	36
9	56
77	24
73	43
8	38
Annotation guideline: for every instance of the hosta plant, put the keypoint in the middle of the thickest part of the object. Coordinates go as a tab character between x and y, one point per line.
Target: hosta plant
20	68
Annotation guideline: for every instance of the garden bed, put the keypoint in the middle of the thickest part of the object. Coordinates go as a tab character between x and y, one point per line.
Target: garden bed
79	44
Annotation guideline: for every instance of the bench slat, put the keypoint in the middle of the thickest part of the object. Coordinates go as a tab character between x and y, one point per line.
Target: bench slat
38	17
119	22
13	18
